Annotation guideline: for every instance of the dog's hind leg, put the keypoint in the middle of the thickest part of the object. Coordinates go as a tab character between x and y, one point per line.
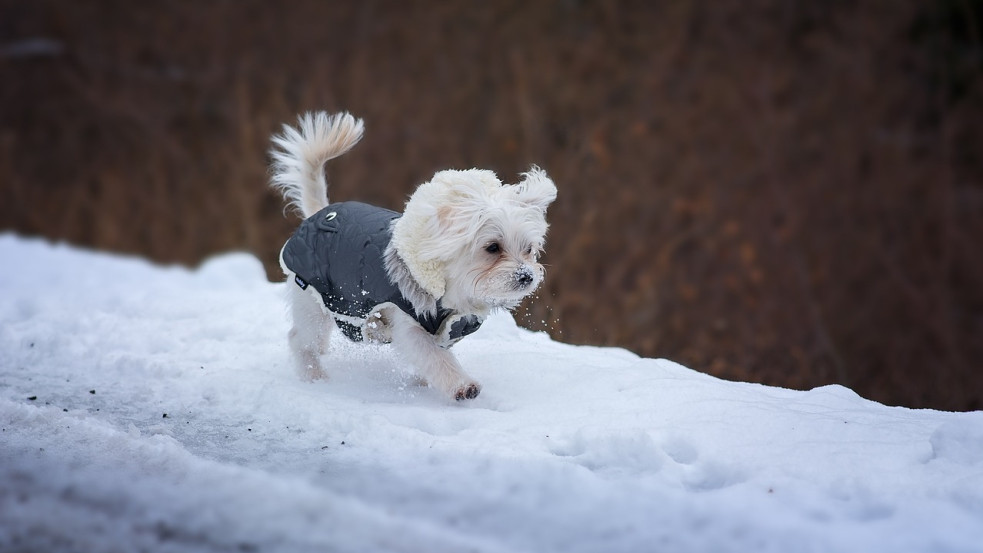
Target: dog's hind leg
310	332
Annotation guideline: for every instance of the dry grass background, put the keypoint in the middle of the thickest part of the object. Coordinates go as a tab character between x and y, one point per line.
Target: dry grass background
781	191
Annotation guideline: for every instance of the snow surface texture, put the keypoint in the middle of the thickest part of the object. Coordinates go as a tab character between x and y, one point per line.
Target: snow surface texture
148	408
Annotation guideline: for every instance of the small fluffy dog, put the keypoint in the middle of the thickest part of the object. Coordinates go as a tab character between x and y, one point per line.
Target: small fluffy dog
464	245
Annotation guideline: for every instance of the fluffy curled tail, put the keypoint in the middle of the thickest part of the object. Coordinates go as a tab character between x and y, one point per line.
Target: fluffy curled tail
299	154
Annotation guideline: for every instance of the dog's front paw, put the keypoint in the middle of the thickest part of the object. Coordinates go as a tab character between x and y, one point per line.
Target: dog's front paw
468	391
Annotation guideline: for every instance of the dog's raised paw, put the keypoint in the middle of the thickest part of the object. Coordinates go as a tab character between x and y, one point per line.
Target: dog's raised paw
469	391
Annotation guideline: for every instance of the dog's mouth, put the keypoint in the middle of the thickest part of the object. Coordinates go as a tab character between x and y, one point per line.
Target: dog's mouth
507	297
505	290
507	303
515	289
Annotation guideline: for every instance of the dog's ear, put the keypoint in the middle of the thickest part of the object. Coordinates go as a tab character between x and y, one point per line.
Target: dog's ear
536	189
438	220
458	196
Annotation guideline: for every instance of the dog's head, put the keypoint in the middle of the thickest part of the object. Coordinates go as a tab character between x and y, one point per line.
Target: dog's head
473	242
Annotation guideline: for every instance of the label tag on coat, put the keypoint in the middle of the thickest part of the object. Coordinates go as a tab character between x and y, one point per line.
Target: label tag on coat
301	282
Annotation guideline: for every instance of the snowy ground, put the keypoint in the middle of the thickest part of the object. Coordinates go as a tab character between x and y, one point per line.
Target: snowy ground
148	408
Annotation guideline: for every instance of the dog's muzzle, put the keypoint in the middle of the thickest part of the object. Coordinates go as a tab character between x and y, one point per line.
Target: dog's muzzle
523	277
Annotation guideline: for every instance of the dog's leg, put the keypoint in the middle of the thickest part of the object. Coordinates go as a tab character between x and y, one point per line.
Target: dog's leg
437	365
310	333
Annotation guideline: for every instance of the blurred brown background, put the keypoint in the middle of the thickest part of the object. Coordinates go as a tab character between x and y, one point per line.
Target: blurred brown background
780	191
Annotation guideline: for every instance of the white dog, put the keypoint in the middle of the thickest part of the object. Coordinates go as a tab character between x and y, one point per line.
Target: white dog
465	245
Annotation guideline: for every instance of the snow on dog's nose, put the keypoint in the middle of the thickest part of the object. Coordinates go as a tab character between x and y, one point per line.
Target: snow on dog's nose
523	277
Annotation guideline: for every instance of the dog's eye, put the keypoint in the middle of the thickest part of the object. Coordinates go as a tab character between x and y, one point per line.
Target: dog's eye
493	248
529	250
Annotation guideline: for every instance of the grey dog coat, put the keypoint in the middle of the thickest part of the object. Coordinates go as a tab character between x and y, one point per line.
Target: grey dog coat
340	251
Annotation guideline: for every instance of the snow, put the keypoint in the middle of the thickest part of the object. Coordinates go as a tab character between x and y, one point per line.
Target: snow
568	448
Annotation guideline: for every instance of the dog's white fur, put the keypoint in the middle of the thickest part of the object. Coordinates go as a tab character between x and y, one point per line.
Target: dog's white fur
465	239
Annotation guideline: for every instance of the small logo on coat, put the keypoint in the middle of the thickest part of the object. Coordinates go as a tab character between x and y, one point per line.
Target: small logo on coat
301	282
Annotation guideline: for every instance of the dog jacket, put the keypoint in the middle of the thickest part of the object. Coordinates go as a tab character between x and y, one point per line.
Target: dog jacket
339	251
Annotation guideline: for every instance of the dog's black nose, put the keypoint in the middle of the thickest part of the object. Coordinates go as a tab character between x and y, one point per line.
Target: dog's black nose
523	278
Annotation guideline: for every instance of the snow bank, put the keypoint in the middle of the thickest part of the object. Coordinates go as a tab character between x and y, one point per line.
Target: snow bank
148	408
